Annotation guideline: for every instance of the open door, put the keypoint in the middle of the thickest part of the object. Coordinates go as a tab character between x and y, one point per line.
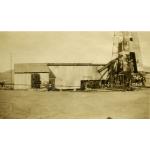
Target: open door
35	80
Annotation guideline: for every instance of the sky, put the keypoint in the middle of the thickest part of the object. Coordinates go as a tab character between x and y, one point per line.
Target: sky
57	47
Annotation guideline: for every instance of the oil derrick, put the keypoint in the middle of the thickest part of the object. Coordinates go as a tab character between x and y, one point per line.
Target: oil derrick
124	70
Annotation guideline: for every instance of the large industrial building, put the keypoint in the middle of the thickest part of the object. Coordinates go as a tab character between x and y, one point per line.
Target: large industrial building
62	75
124	71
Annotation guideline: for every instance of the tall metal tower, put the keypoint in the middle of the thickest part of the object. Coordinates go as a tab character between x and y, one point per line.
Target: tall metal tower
125	69
124	43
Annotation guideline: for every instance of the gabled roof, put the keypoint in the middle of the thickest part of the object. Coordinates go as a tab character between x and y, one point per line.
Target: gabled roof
31	68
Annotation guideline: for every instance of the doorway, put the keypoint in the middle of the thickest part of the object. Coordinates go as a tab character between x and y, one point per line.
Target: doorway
35	80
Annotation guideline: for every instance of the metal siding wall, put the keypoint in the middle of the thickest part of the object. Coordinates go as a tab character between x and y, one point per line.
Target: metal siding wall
68	77
44	77
22	81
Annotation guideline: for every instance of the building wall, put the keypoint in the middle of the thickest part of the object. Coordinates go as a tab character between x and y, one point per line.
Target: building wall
44	77
22	81
68	77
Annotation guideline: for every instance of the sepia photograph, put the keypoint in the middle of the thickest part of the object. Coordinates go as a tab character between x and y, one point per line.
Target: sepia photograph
74	75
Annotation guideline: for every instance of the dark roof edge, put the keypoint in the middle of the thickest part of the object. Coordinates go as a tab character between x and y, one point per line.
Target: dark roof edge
74	64
30	72
64	64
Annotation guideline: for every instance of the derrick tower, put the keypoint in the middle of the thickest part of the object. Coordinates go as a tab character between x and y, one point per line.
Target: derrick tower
125	44
125	68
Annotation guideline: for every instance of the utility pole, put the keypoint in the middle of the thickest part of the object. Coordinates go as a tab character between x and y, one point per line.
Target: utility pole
11	67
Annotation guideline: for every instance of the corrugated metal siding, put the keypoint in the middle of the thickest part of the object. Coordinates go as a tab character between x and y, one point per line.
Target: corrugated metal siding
22	81
70	76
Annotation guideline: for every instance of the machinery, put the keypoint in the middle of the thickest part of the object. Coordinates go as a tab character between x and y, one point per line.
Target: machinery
124	71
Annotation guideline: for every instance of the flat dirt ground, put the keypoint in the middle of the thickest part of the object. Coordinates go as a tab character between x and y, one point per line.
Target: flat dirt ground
65	104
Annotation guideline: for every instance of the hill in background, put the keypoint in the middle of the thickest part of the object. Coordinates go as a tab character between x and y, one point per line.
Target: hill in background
7	76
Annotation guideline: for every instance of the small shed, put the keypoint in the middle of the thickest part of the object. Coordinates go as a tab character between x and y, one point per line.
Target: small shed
26	73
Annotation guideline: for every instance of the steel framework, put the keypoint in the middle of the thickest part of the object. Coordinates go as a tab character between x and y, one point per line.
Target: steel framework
124	71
